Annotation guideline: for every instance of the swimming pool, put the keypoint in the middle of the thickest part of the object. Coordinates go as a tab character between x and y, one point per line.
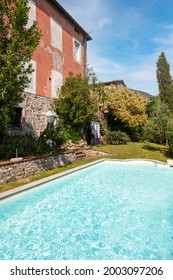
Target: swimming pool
112	210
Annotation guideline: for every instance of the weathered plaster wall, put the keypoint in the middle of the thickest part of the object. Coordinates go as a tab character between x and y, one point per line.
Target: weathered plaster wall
52	61
54	55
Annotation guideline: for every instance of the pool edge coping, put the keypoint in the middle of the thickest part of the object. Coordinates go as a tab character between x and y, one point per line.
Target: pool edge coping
34	184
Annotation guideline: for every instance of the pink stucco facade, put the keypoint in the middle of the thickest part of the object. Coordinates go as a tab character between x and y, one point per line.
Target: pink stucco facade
54	57
62	49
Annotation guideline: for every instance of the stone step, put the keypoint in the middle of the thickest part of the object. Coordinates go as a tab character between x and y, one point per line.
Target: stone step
102	131
79	152
80	155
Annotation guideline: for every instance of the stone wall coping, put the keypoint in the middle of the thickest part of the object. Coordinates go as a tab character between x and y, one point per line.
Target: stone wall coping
6	163
34	158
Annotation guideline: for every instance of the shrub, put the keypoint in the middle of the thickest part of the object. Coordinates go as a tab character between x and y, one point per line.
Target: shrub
171	144
25	145
71	134
53	136
117	138
49	141
160	123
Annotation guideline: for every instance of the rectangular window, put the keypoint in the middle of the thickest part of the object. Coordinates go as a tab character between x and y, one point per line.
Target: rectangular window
77	51
56	82
32	86
17	118
56	34
32	13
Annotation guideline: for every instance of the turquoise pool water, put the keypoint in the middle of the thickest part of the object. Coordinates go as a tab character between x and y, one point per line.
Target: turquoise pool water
109	211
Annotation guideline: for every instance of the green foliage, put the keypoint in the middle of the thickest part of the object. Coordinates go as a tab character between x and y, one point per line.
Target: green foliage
75	105
164	80
126	106
25	145
48	142
135	134
171	144
71	134
17	44
53	135
160	122
116	138
96	88
151	104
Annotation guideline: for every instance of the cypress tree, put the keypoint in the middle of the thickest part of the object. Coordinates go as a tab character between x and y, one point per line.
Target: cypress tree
164	80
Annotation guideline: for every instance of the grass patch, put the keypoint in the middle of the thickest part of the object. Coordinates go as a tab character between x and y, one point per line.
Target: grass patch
137	150
44	174
130	150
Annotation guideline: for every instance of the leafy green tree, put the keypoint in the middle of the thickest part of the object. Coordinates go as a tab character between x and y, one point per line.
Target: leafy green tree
164	80
152	102
17	44
76	105
96	87
160	123
126	106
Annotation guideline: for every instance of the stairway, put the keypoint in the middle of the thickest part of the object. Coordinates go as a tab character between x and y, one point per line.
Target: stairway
102	130
80	154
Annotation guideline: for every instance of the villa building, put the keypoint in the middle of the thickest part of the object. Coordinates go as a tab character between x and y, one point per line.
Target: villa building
116	83
62	49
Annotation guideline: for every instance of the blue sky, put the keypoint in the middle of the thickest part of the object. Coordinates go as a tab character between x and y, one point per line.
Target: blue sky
128	37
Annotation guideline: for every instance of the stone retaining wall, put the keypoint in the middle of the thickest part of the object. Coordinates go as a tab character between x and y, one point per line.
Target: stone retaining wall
11	171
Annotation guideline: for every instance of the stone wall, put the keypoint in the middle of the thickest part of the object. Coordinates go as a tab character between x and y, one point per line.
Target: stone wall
11	171
34	119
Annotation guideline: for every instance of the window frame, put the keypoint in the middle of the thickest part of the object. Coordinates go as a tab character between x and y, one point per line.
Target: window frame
77	54
32	76
57	81
16	120
32	13
56	43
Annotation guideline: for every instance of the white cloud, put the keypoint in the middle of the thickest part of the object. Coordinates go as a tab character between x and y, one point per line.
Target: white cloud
104	21
167	26
126	49
164	43
141	76
145	74
86	13
105	68
165	40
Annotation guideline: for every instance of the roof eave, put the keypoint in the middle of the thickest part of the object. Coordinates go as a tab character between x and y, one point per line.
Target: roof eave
63	11
115	82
